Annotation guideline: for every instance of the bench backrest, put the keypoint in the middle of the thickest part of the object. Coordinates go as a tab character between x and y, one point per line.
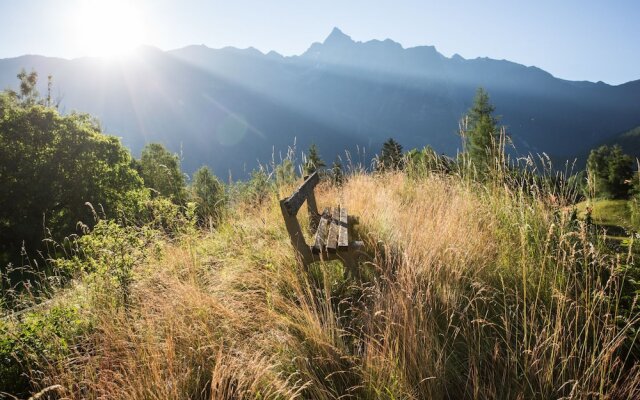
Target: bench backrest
305	192
290	207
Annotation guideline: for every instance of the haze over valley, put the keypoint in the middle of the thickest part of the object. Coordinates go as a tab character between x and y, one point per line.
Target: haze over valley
232	108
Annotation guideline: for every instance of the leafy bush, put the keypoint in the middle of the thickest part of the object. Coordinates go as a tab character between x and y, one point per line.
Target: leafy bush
105	258
51	166
161	172
420	163
38	338
610	172
209	195
253	191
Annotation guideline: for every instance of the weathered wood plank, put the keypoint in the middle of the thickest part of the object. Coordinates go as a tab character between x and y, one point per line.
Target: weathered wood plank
320	240
295	234
295	201
312	207
343	234
332	239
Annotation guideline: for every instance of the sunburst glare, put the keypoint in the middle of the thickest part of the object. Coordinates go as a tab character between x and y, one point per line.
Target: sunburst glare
108	28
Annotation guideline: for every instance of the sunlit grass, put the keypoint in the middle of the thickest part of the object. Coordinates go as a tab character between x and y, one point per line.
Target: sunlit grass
466	292
608	212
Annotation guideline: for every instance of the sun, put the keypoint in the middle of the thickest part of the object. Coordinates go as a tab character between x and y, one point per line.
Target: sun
108	27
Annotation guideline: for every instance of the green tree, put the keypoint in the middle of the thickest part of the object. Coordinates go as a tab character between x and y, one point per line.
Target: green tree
50	167
420	162
610	172
337	174
208	193
391	156
257	189
161	172
285	172
481	132
314	161
28	94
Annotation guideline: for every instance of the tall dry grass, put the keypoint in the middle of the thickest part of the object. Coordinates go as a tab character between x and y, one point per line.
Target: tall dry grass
494	294
466	292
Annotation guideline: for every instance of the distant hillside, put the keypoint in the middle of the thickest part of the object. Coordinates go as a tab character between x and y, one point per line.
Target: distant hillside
629	141
229	108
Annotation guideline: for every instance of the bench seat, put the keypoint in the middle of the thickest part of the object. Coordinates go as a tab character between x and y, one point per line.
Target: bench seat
332	234
331	239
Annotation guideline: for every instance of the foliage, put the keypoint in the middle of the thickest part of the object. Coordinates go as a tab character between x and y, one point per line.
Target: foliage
391	156
420	163
208	193
580	182
465	290
104	261
481	133
161	172
253	191
106	257
28	94
609	213
337	173
610	172
161	214
51	166
285	173
313	162
37	338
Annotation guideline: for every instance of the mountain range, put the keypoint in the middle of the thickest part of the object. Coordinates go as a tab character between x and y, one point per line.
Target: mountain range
232	108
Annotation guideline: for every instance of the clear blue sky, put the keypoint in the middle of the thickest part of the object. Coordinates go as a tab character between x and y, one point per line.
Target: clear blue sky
579	40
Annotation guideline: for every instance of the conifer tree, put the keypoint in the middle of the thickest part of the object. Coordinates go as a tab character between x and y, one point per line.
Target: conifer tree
208	194
391	156
314	161
337	175
481	132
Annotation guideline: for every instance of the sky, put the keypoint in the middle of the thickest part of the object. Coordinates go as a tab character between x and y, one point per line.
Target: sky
591	40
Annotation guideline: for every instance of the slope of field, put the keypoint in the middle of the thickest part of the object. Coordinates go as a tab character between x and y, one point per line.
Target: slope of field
613	213
466	292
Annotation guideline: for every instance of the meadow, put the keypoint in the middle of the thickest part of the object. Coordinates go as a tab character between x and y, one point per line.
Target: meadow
465	290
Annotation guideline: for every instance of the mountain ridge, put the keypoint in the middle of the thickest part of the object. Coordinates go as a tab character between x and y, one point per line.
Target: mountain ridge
335	31
340	94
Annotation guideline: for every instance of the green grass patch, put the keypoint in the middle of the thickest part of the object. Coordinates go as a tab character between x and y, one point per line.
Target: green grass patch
615	213
615	217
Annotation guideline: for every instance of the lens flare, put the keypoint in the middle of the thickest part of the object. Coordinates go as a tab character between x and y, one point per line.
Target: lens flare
108	28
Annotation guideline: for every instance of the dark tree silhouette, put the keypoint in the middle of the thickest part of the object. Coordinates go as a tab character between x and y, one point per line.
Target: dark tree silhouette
391	156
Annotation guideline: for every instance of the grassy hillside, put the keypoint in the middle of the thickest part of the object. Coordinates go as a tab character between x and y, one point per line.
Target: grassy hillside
613	213
465	292
629	141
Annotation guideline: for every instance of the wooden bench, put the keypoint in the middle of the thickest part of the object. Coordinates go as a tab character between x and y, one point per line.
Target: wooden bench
331	239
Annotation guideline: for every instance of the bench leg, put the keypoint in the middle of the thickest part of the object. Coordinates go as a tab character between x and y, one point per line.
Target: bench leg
296	236
350	258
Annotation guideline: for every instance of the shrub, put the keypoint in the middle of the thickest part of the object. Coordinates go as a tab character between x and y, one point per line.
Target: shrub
37	338
106	256
51	166
209	195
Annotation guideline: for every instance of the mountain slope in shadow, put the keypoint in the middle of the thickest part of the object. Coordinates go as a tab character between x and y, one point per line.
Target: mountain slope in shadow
230	108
